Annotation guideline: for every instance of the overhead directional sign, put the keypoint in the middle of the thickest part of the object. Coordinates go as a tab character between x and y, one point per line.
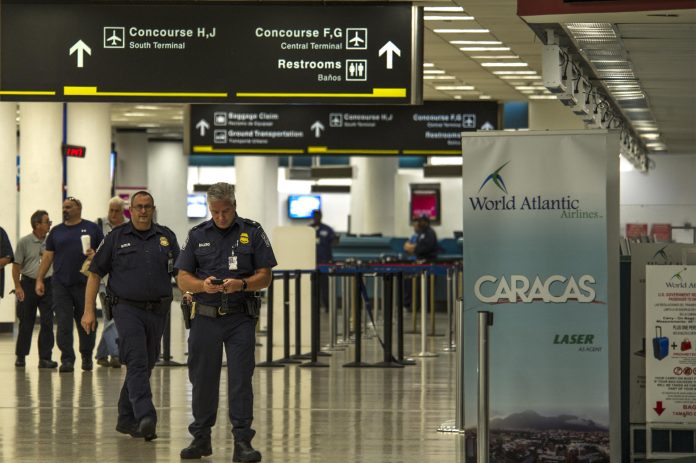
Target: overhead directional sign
213	53
431	129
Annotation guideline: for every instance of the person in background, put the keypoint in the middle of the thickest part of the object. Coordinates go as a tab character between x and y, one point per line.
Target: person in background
6	257
107	344
66	251
326	240
423	247
225	260
30	248
139	259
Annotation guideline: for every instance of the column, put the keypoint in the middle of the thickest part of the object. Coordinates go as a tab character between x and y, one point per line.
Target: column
131	159
167	168
8	198
41	162
256	189
552	115
89	178
372	195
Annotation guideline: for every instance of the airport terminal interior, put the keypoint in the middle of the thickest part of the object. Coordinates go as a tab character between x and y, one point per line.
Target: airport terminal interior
382	115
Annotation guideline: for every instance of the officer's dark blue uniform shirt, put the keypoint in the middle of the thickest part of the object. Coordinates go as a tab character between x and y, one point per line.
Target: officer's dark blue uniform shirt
325	238
139	264
426	244
209	251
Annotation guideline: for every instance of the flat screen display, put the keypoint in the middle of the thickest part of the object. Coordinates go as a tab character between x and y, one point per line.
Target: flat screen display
302	206
425	200
196	206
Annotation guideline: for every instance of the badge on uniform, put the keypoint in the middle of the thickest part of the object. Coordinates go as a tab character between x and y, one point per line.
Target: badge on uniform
244	238
164	241
232	260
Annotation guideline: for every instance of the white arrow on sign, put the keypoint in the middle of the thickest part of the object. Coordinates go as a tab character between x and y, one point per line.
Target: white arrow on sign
202	126
390	49
317	127
81	48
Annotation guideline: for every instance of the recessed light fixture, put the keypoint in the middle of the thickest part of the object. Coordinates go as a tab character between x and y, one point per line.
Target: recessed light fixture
520	77
502	73
530	87
495	57
454	87
443	9
461	31
447	18
438	77
428	65
484	48
433	71
484	97
501	64
476	42
542	97
457	97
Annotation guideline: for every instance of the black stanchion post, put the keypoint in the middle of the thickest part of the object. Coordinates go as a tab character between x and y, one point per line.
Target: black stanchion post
286	320
167	344
400	321
269	331
314	362
298	318
357	297
388	300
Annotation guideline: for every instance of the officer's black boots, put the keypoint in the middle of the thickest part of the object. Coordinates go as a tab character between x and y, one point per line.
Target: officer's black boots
20	363
87	364
244	452
66	367
200	447
47	363
128	428
147	428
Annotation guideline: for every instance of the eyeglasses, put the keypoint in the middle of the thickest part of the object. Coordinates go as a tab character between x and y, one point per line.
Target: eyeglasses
75	200
143	207
49	223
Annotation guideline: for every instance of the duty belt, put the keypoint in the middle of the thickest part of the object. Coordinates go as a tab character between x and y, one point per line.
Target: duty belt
144	305
214	312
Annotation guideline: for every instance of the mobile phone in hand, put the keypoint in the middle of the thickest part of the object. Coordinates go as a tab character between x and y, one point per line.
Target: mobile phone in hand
217	281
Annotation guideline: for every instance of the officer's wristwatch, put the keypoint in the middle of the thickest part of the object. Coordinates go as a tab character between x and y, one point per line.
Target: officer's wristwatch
244	285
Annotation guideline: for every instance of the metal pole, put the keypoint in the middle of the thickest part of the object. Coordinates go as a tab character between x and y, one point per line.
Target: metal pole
485	319
424	314
269	330
286	320
316	309
346	291
450	346
458	424
333	323
431	299
357	299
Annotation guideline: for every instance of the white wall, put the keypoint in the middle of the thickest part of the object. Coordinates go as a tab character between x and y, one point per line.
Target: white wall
666	194
167	171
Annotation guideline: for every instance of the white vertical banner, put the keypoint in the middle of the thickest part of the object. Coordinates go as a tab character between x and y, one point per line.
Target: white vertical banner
670	360
540	252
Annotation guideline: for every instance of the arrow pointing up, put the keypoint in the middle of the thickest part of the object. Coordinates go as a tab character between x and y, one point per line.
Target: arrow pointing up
81	48
659	408
317	127
202	126
390	49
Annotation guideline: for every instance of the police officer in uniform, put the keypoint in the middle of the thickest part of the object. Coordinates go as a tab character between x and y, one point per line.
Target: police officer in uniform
223	262
139	258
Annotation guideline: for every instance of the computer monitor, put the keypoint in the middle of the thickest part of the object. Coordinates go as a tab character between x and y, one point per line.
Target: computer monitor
302	206
425	200
196	206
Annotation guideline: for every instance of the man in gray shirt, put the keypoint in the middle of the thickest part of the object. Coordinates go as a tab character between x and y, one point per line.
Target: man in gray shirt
24	271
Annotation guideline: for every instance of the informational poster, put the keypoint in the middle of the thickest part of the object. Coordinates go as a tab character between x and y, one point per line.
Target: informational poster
636	230
670	333
540	224
661	232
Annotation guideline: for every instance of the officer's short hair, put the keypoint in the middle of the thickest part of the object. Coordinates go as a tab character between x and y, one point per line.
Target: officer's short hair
222	191
117	201
142	193
36	218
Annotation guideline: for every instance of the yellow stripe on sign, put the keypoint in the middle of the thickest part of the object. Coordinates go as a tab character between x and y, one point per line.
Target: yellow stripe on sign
27	92
376	93
432	152
326	150
92	91
210	149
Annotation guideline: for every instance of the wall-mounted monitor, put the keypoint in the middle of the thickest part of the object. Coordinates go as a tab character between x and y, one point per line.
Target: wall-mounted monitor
425	200
302	206
196	206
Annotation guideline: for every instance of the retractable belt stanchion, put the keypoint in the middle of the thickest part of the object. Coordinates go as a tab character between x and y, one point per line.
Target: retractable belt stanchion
450	346
347	292
415	282
167	345
333	316
485	320
314	362
358	363
424	310
298	318
458	424
431	304
269	331
400	321
286	320
389	361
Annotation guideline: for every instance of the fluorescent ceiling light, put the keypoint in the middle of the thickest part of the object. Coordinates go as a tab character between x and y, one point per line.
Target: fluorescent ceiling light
438	77
520	77
447	18
454	87
502	73
457	97
542	97
461	31
476	42
501	64
637	110
428	65
530	87
650	136
442	9
484	48
528	92
433	71
495	57
135	114
484	97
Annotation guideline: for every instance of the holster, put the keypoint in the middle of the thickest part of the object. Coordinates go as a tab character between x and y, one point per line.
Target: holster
108	301
186	308
252	305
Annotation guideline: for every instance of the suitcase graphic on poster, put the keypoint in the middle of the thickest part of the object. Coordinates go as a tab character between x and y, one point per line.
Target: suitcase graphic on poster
660	344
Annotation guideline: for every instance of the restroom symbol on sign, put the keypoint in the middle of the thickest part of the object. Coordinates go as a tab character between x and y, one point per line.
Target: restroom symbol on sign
356	69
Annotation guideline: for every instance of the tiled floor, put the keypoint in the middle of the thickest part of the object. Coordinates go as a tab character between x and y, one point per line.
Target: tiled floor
302	415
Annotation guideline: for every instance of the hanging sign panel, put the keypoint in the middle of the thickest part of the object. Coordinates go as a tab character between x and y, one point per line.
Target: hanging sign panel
432	129
242	53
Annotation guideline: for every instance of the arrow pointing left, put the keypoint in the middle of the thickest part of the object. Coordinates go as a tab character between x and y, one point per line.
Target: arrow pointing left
390	49
317	127
202	126
81	48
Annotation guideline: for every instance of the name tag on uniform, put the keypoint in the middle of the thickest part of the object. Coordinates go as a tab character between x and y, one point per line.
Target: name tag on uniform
232	261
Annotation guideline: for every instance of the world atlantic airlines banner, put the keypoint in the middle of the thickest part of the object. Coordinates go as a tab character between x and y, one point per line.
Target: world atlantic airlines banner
540	232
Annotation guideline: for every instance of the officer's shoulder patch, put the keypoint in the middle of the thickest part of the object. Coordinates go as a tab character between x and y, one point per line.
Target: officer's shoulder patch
251	222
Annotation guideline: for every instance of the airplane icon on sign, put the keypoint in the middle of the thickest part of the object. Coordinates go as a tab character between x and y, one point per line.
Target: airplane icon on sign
114	39
356	40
